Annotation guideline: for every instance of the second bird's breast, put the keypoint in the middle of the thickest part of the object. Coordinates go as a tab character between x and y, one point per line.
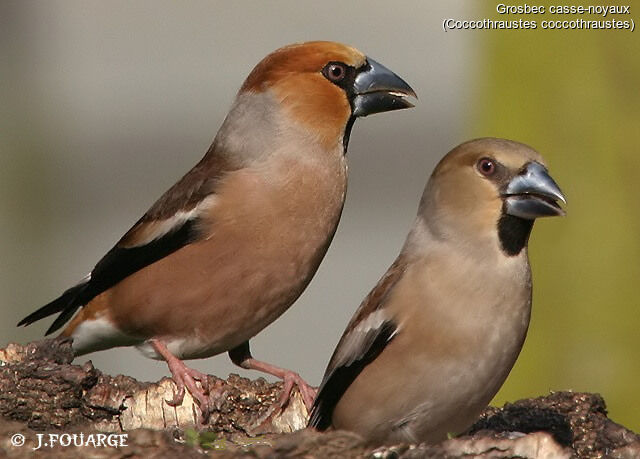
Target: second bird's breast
459	336
471	338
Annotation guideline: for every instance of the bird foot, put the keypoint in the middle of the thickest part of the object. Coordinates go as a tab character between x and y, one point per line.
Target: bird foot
291	379
186	378
242	357
265	423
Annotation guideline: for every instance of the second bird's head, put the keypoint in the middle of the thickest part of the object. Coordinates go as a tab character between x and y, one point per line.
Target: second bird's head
315	88
490	191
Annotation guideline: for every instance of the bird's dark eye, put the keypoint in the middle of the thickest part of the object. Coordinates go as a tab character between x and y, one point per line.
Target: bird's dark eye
486	166
335	71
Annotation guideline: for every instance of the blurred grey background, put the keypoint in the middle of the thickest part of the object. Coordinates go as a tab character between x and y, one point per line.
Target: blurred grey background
106	104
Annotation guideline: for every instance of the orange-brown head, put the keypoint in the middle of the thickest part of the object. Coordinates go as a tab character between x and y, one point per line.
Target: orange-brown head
325	85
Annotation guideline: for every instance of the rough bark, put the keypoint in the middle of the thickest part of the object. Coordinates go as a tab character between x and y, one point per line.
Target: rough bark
42	393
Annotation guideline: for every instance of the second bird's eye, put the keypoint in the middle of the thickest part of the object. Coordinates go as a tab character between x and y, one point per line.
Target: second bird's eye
335	72
486	166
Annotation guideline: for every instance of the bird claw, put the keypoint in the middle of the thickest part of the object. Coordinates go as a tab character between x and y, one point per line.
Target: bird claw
289	379
307	392
178	396
185	379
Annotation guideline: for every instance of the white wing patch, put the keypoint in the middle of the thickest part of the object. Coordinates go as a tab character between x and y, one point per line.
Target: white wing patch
358	341
156	229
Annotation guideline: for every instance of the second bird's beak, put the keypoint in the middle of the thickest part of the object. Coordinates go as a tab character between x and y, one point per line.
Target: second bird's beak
378	89
533	194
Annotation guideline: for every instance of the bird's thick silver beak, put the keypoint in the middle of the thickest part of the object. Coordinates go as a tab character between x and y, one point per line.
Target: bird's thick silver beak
533	194
378	89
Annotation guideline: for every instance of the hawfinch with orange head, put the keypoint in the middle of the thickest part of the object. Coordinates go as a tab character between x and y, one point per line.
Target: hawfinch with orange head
433	342
227	249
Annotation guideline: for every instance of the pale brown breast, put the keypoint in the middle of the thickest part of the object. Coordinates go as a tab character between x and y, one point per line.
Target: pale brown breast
460	328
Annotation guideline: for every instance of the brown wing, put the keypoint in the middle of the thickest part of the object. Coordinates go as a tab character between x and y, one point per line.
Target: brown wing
157	234
365	337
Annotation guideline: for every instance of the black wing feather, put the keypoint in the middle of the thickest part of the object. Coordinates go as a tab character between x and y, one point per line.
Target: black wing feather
121	262
116	265
336	383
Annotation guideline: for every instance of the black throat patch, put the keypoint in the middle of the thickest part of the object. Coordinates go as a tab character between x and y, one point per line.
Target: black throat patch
347	133
513	233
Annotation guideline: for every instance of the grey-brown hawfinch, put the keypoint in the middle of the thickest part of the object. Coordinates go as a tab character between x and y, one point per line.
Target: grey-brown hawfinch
227	249
435	339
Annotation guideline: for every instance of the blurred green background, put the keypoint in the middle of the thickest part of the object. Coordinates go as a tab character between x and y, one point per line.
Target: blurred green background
106	104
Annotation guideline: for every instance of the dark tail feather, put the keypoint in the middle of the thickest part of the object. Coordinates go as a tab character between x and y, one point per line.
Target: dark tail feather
63	318
68	303
319	420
